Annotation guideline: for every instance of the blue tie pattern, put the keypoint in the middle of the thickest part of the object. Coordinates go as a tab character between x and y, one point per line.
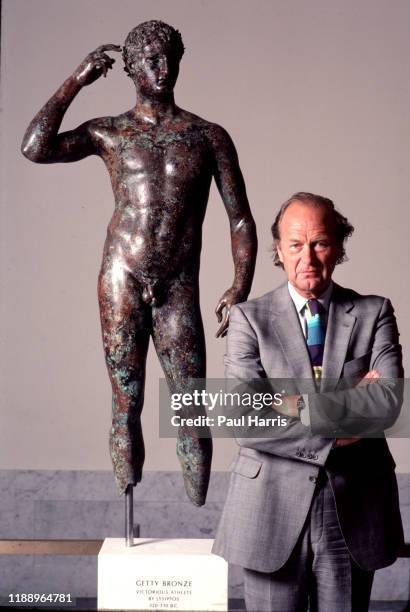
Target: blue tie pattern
315	335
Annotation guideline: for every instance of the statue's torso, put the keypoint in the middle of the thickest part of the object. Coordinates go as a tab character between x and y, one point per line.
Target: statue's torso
160	177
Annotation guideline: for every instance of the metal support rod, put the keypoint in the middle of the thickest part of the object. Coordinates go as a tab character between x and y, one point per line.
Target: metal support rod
129	516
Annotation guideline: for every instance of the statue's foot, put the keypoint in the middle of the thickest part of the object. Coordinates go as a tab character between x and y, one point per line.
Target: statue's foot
195	456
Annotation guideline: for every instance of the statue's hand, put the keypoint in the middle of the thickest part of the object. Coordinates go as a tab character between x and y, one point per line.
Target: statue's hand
95	64
230	297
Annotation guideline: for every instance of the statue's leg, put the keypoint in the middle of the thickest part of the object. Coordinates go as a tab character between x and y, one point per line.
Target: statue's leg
179	341
125	322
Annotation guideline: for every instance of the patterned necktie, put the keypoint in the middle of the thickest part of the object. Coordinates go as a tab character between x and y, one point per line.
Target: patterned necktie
315	335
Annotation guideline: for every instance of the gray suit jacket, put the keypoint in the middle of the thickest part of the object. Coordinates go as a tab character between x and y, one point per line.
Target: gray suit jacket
273	480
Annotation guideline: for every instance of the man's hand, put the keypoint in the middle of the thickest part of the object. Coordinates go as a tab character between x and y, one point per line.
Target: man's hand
370	377
230	297
345	441
95	64
288	408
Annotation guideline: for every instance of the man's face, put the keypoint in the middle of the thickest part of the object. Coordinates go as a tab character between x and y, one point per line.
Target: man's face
155	70
307	248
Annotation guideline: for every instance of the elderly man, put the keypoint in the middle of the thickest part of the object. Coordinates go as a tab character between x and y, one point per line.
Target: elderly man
312	512
161	160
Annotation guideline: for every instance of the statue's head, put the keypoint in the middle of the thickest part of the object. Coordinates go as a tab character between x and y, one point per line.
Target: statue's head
152	52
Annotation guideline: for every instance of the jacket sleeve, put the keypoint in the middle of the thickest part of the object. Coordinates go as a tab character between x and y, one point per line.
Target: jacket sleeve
367	410
243	363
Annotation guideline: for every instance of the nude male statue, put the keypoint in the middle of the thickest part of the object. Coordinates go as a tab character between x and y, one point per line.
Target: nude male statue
161	160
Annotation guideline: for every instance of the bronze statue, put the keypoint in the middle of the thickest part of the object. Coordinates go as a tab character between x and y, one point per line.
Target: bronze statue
161	161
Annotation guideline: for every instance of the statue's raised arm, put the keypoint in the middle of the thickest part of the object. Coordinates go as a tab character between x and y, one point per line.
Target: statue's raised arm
42	143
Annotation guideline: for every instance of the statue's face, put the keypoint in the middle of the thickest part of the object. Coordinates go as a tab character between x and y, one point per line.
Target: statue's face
155	70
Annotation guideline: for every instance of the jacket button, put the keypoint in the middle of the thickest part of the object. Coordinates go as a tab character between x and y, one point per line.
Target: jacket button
315	456
313	479
310	456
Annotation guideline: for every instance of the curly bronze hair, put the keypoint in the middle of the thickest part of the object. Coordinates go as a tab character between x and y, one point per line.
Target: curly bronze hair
343	228
146	32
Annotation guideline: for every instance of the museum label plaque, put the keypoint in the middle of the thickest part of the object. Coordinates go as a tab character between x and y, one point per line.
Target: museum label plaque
161	574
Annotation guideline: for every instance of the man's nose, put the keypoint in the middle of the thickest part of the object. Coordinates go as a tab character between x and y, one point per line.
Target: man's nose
308	254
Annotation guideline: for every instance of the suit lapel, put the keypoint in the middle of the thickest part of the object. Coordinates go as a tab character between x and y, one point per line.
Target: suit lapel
339	330
286	327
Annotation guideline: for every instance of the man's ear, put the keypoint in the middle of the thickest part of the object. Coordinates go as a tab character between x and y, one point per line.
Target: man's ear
279	252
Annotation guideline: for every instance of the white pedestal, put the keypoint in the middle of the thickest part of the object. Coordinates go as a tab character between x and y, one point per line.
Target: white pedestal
157	574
